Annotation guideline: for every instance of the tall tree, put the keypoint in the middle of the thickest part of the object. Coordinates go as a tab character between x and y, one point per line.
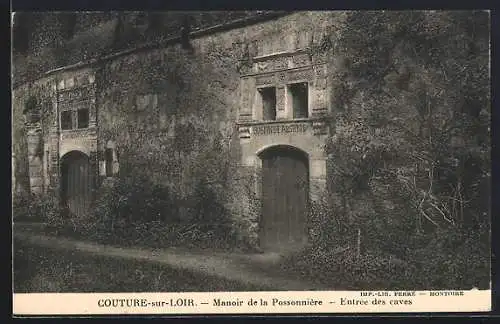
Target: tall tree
413	91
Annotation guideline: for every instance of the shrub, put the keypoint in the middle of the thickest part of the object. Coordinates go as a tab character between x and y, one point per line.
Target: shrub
36	208
446	259
140	212
452	259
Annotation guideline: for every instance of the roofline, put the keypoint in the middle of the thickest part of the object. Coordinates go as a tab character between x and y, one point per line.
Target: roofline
237	23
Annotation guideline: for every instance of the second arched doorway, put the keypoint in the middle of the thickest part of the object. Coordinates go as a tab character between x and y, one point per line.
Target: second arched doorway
285	198
76	183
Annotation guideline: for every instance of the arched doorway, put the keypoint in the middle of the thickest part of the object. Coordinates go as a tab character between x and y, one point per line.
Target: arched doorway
285	198
76	183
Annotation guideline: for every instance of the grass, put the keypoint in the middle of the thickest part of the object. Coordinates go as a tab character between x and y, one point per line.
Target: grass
147	235
39	269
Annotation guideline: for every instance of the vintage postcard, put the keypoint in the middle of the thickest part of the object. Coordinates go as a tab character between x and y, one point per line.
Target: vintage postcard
243	162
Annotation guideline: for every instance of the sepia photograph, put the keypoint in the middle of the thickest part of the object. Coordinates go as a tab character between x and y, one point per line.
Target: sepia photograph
250	151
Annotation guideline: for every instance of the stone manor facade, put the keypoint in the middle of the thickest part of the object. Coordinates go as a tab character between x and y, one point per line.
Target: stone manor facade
258	75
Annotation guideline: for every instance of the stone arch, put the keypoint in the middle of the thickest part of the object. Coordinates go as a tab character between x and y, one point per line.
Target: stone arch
65	156
71	147
271	147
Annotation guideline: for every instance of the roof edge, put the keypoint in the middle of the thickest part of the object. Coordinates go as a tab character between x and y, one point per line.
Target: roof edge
237	23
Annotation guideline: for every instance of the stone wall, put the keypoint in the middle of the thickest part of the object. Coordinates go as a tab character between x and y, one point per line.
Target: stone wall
19	144
158	115
174	113
30	133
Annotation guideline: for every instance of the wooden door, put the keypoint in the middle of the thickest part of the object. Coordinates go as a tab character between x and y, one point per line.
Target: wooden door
285	190
76	183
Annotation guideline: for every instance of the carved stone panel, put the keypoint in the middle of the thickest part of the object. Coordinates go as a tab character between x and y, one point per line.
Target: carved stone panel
285	128
262	67
86	132
320	70
265	79
244	132
282	77
320	128
271	64
320	97
300	60
74	105
279	63
245	102
299	75
75	94
280	98
320	83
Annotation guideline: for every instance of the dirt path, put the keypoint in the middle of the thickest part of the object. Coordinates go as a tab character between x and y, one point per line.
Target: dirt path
232	266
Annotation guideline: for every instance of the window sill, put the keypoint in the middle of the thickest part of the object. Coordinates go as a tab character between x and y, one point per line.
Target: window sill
76	130
280	121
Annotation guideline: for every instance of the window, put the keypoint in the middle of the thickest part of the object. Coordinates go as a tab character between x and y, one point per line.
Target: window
298	93
108	156
268	96
83	118
66	120
31	110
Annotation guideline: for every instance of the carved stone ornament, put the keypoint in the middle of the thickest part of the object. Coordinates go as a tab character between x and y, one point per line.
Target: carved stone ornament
265	79
244	132
299	75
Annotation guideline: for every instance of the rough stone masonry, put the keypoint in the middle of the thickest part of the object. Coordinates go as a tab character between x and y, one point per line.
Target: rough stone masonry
111	106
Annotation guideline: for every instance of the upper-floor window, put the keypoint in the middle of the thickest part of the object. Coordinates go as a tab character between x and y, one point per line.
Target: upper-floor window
32	110
83	118
268	96
75	119
66	120
299	95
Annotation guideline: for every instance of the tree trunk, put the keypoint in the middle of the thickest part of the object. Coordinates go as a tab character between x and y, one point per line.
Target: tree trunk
358	243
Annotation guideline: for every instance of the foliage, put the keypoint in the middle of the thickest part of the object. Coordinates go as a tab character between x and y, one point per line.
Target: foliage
187	208
35	208
411	122
410	154
447	259
136	211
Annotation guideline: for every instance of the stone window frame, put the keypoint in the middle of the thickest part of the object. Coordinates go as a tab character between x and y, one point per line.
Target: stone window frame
289	107
74	94
87	121
74	115
282	86
261	90
62	121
